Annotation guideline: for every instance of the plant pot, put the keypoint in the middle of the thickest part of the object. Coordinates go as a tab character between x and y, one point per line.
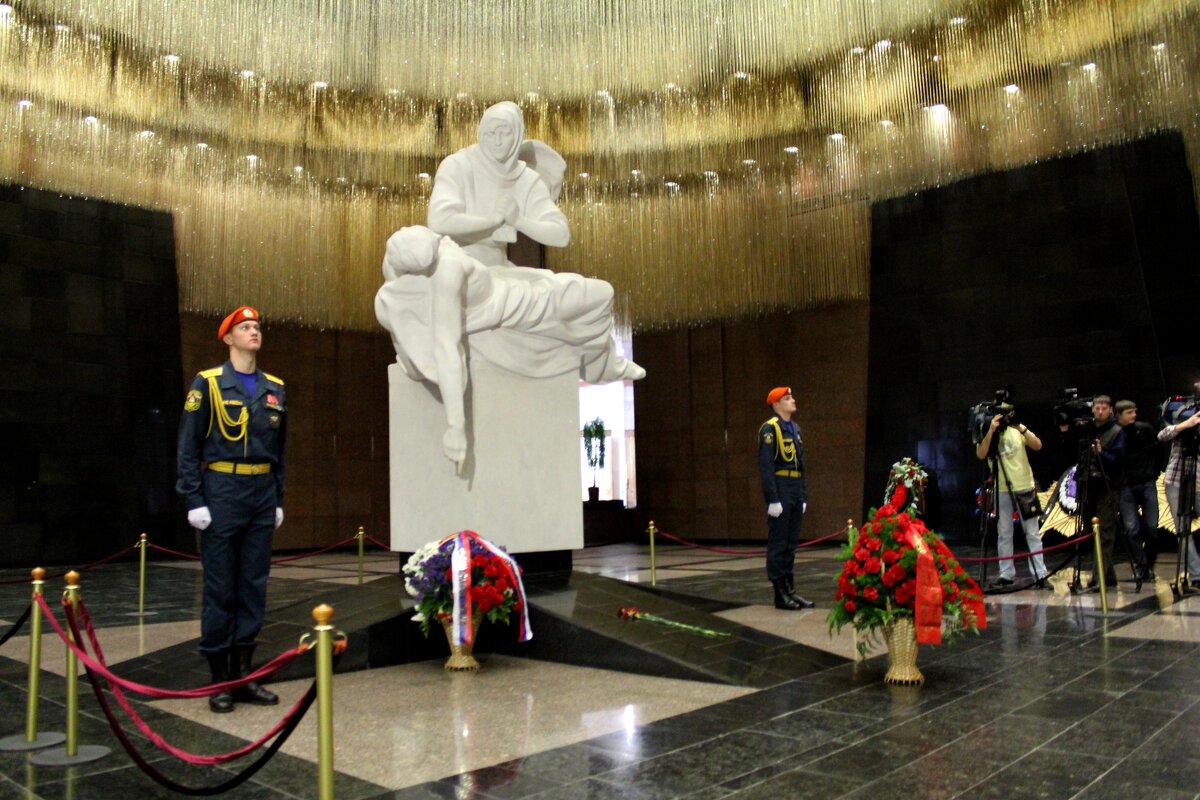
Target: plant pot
461	659
901	637
593	494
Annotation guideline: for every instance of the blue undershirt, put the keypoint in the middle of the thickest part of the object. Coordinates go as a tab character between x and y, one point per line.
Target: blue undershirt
249	381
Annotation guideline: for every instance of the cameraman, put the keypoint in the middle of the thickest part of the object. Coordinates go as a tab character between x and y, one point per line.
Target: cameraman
1101	455
1173	481
1016	477
1140	492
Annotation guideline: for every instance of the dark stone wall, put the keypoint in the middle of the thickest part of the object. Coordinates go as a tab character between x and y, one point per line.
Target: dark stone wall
89	351
704	396
1075	272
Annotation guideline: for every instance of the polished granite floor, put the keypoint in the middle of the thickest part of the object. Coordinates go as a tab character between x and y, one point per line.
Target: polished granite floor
1053	700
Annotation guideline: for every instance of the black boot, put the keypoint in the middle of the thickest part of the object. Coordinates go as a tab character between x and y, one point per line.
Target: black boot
782	598
253	692
221	703
790	583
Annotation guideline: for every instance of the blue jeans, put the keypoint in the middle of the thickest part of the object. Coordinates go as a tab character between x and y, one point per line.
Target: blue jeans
1141	529
1004	539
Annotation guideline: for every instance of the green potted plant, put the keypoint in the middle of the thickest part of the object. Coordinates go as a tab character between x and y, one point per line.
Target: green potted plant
593	447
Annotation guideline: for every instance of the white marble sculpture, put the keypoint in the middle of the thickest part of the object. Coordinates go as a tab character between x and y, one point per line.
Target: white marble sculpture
451	294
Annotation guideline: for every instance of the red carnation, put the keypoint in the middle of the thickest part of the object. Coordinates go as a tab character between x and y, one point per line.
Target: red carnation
849	606
871	593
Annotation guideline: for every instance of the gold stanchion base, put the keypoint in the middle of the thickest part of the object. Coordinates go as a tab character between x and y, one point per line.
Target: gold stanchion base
17	743
901	637
58	757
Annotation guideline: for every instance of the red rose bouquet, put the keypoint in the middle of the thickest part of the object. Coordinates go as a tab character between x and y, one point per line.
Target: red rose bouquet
895	567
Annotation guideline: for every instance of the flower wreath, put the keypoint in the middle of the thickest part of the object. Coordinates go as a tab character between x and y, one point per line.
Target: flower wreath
910	474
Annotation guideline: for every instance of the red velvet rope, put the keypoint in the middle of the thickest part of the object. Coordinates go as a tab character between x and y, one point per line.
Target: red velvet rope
173	552
156	739
289	727
279	662
1063	546
728	551
378	543
335	546
104	560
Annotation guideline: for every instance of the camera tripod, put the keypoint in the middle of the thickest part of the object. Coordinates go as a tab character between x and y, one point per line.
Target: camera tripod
1184	510
1083	480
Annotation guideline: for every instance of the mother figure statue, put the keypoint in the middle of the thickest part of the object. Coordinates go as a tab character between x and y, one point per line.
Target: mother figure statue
452	281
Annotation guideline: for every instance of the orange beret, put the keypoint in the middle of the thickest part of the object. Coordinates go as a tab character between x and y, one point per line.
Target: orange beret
240	315
776	394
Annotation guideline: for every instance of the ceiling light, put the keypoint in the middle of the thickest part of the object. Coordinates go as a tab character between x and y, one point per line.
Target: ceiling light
791	148
837	137
247	73
1012	88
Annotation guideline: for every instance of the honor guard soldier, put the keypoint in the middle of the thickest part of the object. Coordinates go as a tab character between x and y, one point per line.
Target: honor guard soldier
781	467
230	461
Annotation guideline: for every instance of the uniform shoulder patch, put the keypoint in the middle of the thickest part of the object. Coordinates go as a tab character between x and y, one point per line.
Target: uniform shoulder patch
215	372
271	377
768	437
192	402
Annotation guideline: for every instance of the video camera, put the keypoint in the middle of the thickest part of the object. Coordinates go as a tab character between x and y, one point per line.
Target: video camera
1176	408
980	416
1071	409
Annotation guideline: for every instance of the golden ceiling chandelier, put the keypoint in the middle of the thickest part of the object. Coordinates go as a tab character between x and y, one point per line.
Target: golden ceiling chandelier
723	154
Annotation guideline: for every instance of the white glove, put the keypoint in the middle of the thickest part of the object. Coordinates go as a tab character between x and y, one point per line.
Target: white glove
775	509
199	518
803	507
278	517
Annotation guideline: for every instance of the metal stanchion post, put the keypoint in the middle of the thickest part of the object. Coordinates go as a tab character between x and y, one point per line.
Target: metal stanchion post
1100	567
322	614
850	531
32	740
142	546
360	536
72	753
653	569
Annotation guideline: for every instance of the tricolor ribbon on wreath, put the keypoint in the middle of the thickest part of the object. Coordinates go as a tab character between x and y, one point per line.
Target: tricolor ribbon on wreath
460	567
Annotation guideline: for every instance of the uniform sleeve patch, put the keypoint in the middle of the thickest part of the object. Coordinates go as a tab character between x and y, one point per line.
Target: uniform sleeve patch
192	403
768	437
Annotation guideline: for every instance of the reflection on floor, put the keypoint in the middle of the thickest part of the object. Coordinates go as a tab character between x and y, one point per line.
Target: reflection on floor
1053	700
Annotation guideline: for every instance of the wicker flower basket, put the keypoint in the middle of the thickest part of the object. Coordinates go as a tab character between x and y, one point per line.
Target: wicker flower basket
901	637
460	659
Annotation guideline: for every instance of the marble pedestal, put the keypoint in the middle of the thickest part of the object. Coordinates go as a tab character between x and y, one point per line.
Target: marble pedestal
520	487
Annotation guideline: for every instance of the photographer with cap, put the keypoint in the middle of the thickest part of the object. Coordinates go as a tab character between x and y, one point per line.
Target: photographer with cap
781	468
1015	490
230	462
